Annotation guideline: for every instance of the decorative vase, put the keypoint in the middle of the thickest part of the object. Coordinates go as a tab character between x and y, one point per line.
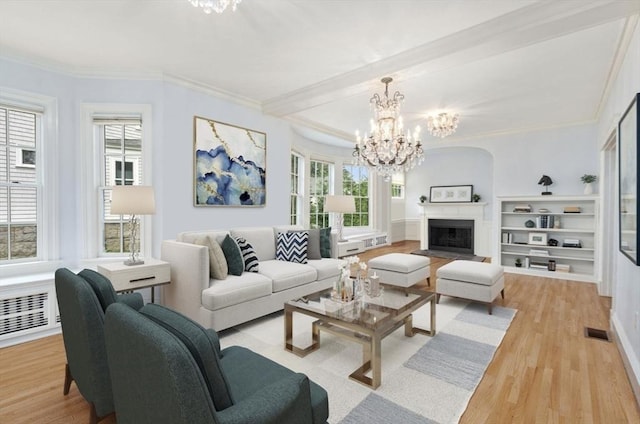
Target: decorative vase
588	188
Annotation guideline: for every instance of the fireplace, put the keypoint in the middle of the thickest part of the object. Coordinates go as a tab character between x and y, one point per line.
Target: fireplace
453	235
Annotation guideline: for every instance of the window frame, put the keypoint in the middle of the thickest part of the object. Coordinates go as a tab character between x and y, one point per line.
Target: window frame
297	194
327	219
47	177
349	216
93	168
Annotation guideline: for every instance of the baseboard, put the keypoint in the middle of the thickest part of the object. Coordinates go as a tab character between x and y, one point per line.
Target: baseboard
631	363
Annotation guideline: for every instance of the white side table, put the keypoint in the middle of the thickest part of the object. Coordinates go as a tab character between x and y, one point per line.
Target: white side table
125	278
351	247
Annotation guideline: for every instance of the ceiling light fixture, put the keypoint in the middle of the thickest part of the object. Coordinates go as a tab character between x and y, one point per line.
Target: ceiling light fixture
442	124
217	6
387	149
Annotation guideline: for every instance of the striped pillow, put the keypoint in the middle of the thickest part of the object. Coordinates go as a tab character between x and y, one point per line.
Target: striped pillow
248	254
292	247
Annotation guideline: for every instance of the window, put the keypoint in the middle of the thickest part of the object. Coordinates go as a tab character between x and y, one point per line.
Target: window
355	182
20	184
295	215
319	183
397	186
120	141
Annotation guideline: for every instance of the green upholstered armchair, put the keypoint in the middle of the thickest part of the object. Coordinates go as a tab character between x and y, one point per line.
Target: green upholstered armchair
166	368
82	300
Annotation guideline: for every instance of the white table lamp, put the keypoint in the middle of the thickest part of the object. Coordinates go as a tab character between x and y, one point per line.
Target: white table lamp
339	204
133	200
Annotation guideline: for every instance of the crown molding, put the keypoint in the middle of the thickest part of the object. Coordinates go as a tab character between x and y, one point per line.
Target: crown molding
88	73
621	51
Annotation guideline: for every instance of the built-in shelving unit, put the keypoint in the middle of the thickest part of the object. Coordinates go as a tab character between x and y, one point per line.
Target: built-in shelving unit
518	239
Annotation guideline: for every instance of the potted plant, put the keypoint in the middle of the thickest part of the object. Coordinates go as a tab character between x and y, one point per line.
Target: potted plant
518	262
423	198
588	181
476	198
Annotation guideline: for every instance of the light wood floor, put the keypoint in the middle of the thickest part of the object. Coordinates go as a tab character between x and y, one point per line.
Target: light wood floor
545	370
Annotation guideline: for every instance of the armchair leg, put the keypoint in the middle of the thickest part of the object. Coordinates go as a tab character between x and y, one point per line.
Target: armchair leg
93	417
68	378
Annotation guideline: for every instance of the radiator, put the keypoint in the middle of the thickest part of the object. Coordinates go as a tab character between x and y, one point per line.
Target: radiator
28	311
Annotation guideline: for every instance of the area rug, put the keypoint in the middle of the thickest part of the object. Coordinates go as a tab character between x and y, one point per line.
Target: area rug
448	255
424	379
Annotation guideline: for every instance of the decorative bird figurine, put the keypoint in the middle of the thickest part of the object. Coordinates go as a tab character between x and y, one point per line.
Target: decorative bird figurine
546	181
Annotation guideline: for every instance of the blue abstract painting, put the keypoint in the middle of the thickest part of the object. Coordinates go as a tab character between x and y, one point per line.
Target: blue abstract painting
230	164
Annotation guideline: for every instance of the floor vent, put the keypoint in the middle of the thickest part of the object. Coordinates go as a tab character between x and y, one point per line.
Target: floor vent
595	333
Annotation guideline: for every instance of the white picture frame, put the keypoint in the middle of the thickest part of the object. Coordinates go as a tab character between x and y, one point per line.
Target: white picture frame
539	239
451	194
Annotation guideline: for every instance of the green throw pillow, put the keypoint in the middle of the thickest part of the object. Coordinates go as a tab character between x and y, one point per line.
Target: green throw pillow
325	242
233	255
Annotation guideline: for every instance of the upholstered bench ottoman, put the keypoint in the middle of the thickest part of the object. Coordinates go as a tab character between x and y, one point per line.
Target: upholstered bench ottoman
401	269
478	281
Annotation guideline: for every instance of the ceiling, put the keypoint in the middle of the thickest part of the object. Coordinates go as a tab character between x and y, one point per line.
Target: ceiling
502	65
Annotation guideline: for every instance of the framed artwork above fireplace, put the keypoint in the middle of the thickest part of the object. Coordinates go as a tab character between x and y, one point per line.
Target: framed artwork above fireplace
451	194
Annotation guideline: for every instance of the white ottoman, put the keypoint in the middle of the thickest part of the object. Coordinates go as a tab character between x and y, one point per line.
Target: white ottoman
477	281
401	269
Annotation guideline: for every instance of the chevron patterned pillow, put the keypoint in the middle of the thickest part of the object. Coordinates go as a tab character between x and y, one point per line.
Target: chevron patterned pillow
248	254
292	247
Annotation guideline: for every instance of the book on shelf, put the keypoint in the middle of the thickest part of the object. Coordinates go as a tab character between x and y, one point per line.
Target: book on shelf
507	238
545	221
538	252
538	265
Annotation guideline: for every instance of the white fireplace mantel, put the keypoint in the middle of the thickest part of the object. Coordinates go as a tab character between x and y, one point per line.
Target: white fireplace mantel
472	211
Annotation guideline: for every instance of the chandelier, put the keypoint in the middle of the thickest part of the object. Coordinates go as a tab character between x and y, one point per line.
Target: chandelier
443	124
217	6
387	148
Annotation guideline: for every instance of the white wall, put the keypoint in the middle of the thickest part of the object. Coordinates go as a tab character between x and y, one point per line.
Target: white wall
508	164
173	107
626	282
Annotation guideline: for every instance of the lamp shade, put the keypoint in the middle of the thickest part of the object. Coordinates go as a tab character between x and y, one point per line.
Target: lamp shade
133	200
340	204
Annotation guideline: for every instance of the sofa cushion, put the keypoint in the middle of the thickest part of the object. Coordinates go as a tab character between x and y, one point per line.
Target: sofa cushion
202	347
292	247
287	274
248	255
218	267
326	268
261	238
233	255
313	244
235	290
190	236
325	242
101	286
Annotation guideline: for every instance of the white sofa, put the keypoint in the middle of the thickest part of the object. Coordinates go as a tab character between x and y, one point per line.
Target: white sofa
221	304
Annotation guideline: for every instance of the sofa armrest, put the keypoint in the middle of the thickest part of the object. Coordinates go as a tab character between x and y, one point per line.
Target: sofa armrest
133	300
285	401
189	276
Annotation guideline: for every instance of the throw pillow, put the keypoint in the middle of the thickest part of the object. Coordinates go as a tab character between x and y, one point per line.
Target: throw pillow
248	255
218	267
233	255
292	247
325	242
313	246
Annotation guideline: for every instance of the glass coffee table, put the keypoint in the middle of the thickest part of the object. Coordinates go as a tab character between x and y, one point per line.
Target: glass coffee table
366	321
